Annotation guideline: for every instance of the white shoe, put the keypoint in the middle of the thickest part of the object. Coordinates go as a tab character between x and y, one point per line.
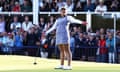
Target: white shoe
67	68
59	67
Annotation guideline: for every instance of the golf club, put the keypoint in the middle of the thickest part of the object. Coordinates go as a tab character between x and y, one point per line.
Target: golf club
35	58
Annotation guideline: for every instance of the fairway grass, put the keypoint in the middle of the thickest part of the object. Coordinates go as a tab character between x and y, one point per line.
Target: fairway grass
10	63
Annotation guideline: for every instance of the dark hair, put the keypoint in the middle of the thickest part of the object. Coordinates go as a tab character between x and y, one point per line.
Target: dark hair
63	8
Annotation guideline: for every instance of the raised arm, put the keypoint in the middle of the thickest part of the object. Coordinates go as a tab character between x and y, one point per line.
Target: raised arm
52	28
73	20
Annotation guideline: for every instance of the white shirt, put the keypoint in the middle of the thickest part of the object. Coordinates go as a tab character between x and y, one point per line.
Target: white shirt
5	40
26	27
1	9
10	42
69	8
2	26
60	5
16	25
101	8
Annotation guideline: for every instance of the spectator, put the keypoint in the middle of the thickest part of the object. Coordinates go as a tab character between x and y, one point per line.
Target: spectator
50	23
15	24
1	8
114	6
2	24
92	41
60	4
10	40
54	7
6	6
26	25
45	5
72	43
102	49
51	20
101	7
102	31
78	6
108	32
96	2
69	5
38	31
26	7
25	38
89	6
80	42
5	43
118	39
44	45
47	26
10	5
18	39
21	2
16	8
76	32
32	39
51	46
42	23
111	49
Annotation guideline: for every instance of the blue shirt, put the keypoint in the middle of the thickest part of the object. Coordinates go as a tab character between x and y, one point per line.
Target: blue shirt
72	42
18	41
91	7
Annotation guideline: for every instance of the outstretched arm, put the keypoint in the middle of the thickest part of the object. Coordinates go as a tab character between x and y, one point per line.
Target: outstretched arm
73	20
52	28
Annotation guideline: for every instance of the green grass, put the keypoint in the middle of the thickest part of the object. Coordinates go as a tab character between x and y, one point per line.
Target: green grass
61	71
25	64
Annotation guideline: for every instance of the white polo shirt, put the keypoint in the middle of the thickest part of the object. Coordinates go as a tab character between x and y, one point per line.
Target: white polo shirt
26	27
101	8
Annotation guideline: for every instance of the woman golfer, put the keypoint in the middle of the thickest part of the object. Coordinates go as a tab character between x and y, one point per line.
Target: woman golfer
63	37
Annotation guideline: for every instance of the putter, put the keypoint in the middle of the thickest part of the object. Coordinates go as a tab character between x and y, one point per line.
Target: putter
35	58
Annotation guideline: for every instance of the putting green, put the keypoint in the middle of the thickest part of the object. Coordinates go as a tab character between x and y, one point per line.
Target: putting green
10	63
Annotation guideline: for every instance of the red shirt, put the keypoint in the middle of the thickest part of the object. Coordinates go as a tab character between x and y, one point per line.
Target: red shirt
102	45
16	9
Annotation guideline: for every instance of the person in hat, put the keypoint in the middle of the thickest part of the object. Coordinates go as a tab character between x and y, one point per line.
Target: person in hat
63	37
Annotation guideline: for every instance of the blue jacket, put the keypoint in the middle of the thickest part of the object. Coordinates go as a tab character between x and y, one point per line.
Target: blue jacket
18	41
110	45
89	8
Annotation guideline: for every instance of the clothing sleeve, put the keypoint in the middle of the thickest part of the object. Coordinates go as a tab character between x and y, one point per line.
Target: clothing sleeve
96	9
104	9
73	20
30	24
11	26
52	28
19	25
23	26
107	43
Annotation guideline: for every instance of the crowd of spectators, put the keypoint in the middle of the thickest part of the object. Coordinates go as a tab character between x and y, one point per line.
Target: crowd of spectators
55	5
16	5
25	33
80	5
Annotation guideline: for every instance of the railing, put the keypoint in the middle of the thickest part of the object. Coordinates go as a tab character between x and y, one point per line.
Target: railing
79	53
